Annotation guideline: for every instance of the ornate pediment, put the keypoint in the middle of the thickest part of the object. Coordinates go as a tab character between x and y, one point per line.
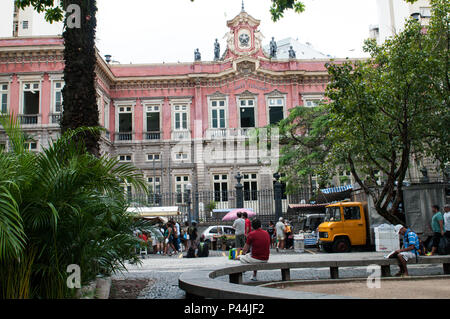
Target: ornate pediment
244	38
245	67
276	93
247	93
217	95
243	18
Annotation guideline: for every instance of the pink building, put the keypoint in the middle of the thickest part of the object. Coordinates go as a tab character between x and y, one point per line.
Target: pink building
171	120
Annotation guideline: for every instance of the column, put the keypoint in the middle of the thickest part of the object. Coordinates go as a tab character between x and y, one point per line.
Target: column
138	120
46	94
262	111
232	112
167	120
14	95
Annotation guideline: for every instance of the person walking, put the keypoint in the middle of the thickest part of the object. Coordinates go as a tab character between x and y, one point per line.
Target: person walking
410	249
257	247
447	221
280	229
239	226
288	233
248	224
271	232
437	226
175	238
193	234
185	235
178	235
158	241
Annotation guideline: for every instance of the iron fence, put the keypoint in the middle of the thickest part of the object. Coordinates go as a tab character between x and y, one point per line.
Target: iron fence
208	207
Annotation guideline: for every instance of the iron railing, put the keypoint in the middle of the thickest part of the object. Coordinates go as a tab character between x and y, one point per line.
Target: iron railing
29	119
203	203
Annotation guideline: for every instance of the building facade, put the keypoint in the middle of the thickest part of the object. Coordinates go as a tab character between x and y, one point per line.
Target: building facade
184	125
168	119
392	15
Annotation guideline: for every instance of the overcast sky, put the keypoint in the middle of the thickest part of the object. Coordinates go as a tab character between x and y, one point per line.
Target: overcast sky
155	31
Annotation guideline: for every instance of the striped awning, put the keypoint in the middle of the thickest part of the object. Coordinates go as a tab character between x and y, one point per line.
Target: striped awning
336	189
154	211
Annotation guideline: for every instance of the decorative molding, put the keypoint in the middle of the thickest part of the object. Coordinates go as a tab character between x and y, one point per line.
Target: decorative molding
217	95
247	93
276	93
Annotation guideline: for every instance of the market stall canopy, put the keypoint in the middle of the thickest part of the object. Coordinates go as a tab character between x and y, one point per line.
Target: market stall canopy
334	194
299	209
155	211
338	189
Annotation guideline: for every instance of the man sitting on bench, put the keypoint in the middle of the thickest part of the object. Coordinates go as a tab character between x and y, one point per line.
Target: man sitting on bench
259	242
410	249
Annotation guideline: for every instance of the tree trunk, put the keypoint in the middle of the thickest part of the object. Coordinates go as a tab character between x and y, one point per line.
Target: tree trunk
79	93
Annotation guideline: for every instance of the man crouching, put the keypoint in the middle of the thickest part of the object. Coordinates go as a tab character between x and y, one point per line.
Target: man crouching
410	249
259	242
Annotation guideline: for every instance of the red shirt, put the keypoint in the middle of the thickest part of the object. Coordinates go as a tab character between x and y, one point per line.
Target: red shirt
248	227
259	240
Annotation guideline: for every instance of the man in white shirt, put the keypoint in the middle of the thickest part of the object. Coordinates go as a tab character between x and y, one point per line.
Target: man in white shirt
280	229
447	221
239	226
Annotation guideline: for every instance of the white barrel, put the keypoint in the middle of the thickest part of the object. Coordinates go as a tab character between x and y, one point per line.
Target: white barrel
299	243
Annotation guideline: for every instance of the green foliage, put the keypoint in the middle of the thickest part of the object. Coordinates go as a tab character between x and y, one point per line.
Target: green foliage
60	207
211	206
304	136
393	107
280	6
52	11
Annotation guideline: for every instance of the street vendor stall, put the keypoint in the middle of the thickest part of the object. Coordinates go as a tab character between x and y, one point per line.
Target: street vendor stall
153	217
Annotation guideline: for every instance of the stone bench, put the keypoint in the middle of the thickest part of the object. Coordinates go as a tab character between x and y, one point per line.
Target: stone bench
203	283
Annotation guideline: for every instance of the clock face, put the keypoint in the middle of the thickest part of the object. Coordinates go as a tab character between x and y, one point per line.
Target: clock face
244	40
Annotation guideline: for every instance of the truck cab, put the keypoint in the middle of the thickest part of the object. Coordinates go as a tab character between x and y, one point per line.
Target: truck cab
345	226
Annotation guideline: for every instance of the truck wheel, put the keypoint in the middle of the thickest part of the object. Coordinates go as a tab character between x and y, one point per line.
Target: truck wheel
341	245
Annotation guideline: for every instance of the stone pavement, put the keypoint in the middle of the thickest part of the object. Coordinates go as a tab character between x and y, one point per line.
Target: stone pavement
166	270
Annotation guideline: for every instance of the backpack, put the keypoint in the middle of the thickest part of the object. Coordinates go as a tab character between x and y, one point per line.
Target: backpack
203	250
190	253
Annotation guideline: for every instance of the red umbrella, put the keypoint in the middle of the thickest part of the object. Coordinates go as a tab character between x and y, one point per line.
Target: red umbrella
232	215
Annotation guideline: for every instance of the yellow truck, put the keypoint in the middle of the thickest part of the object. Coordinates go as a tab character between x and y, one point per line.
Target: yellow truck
345	226
352	223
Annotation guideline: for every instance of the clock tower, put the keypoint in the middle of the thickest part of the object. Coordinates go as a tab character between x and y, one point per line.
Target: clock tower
244	39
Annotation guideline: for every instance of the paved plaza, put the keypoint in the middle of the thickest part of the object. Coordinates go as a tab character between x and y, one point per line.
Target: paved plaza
164	271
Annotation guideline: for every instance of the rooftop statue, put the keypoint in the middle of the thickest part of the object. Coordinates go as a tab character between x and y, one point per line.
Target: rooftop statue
273	48
216	50
197	55
292	54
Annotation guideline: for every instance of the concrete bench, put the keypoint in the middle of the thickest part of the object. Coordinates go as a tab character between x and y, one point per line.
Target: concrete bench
202	283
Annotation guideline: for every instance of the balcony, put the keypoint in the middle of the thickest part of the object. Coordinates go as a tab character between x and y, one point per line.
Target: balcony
152	136
123	136
29	119
217	133
181	135
55	118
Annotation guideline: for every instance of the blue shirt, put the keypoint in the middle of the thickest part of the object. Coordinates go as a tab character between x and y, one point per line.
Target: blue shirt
411	238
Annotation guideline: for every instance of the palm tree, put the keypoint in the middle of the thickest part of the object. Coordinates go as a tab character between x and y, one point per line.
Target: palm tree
79	93
60	207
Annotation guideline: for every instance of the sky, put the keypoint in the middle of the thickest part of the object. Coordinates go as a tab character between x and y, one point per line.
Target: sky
156	31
